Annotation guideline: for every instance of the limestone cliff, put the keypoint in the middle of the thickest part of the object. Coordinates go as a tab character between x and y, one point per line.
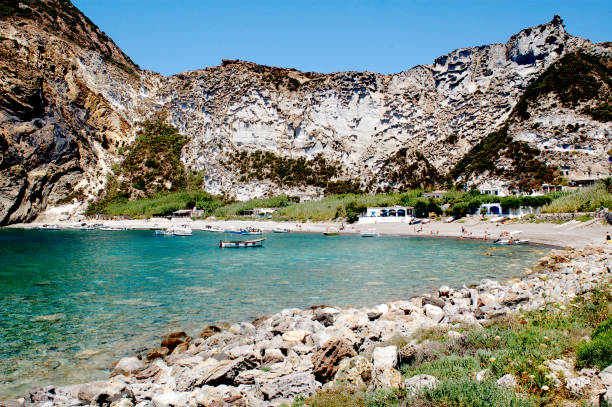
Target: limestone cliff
71	101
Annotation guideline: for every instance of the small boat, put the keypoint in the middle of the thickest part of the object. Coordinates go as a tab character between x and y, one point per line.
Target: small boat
280	230
512	241
247	231
331	231
182	231
110	228
209	228
163	233
49	227
415	221
507	238
241	243
87	227
370	233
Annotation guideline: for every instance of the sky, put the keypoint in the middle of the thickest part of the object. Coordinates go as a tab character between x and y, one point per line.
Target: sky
172	36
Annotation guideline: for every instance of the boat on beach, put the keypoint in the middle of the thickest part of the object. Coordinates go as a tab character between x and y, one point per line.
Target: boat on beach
370	233
241	243
280	230
110	228
49	227
331	231
508	238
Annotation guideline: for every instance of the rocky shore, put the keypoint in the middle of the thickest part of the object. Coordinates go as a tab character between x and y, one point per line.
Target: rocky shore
276	358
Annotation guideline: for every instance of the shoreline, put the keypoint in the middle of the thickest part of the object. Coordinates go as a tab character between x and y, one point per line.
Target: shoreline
572	234
226	363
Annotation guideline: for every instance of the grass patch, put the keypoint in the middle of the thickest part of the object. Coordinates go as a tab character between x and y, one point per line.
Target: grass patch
586	199
466	392
161	203
518	345
598	352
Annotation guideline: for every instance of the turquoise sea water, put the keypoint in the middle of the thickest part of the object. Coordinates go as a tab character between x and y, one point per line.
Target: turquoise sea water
73	302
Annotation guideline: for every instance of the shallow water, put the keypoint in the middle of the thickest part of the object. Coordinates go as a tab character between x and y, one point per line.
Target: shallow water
73	302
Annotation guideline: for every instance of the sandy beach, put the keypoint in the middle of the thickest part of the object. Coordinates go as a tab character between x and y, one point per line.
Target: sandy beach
573	234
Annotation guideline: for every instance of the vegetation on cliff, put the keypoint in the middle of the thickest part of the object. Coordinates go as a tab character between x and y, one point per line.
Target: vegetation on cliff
290	172
576	78
404	171
500	155
152	179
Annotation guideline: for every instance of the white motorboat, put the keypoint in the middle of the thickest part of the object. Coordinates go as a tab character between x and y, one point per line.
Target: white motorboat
110	228
280	230
164	233
181	231
209	228
241	243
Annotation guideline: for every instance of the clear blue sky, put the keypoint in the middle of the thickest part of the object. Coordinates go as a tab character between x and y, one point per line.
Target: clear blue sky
326	35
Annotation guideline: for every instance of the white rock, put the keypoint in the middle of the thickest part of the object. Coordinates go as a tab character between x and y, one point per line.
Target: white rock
127	365
295	336
606	376
508	381
384	357
578	385
416	384
434	313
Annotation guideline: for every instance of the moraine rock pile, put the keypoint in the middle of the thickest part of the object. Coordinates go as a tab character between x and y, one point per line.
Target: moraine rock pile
298	352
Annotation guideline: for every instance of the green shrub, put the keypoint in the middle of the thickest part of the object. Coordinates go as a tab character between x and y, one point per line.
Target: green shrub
352	211
598	352
465	392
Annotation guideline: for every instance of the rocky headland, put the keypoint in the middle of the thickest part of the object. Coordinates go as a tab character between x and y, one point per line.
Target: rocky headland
299	352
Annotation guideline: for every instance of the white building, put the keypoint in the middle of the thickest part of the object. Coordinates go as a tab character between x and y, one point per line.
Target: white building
388	214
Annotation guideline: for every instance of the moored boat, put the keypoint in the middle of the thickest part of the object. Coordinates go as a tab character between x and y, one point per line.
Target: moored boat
110	228
241	243
280	230
247	231
370	233
181	231
209	228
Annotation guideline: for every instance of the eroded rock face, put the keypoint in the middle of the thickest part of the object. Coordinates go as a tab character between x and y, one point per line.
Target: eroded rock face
327	359
70	105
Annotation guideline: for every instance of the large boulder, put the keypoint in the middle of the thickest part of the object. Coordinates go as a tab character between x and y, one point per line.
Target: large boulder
508	381
416	384
290	386
384	357
385	378
355	371
210	331
226	371
174	339
327	359
126	366
433	312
